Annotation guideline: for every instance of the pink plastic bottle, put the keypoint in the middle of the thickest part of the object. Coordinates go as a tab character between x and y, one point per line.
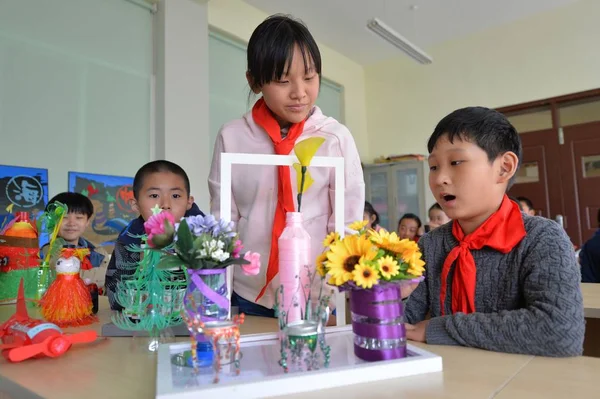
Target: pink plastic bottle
294	264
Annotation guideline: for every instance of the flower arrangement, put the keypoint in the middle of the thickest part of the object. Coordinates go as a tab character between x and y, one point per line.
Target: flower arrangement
369	258
198	242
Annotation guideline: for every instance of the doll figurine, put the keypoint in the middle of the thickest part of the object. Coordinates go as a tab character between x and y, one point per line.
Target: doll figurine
68	302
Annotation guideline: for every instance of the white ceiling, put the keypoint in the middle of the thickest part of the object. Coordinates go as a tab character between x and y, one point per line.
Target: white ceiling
341	24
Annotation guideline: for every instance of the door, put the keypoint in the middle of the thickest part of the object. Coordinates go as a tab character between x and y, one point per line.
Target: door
538	177
581	179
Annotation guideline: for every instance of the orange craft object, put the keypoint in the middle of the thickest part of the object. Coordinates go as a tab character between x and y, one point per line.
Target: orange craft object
24	338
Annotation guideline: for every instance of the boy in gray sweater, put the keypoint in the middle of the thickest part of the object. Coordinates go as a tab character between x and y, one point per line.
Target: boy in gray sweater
496	279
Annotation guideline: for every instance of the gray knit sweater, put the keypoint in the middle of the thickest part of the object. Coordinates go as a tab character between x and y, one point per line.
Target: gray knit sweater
527	301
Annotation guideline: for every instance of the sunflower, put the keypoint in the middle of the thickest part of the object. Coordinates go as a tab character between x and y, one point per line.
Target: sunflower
388	267
321	259
334	281
331	238
390	241
358	225
365	275
410	250
343	256
415	264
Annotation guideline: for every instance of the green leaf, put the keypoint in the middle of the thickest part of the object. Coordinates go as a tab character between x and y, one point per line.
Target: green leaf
169	262
198	243
238	261
197	264
185	240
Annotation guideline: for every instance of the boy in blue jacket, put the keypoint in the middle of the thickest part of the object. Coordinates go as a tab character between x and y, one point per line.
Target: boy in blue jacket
158	183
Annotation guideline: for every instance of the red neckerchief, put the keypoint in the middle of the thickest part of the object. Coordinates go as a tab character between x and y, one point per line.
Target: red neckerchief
285	200
502	231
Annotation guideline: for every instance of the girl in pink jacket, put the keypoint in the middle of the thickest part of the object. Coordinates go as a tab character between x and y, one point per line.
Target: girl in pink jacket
284	65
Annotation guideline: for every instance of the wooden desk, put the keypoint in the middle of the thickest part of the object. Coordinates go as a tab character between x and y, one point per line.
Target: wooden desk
548	378
591	306
124	368
591	300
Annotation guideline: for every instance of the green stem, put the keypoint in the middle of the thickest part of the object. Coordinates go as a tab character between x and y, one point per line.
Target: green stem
301	188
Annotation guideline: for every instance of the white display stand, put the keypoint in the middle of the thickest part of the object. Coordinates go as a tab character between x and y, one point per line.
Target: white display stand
229	158
261	375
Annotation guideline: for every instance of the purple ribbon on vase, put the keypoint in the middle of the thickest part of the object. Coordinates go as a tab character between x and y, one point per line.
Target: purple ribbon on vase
382	319
206	290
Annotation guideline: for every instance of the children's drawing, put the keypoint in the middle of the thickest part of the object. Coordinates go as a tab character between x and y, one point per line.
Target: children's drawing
112	197
22	189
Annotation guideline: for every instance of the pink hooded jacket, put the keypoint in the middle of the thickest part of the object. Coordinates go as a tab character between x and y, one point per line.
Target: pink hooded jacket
254	191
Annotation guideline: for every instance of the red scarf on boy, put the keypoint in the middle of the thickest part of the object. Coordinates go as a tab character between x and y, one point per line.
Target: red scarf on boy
285	200
502	231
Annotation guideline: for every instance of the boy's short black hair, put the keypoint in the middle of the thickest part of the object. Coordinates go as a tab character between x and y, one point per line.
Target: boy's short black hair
371	211
271	49
527	202
488	129
157	167
435	206
75	202
411	216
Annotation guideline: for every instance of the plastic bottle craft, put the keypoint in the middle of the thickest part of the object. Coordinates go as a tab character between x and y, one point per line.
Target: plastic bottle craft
23	337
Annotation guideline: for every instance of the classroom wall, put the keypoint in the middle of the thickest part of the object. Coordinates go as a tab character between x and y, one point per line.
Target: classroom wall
547	55
75	84
238	19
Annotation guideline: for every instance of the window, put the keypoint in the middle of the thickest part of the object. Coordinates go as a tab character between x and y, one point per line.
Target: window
75	86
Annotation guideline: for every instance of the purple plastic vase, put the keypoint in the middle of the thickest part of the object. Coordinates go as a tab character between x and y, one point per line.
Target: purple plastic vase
378	323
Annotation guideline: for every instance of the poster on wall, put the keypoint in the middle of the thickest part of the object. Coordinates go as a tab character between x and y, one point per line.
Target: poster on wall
22	189
112	198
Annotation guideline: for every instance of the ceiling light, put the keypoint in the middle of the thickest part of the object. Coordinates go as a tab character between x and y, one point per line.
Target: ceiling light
397	40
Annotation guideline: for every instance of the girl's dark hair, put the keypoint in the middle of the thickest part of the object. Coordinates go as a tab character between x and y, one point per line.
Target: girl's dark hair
527	202
518	201
371	211
411	216
75	202
271	49
436	206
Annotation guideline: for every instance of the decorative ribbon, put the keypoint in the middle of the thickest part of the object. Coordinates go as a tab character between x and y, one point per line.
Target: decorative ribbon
377	304
68	276
382	354
379	331
206	290
382	305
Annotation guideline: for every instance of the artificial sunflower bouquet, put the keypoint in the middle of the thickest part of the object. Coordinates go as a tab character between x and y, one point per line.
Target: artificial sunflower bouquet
369	258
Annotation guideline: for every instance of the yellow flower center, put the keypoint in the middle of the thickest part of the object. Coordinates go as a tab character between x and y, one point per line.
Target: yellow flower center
351	262
366	273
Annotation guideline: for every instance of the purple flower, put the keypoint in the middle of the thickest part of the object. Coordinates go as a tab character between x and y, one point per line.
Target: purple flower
224	228
199	224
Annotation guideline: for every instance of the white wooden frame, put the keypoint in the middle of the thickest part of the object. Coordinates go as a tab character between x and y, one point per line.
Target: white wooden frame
228	159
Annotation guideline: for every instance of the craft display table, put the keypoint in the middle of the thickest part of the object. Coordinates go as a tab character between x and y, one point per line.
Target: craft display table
124	368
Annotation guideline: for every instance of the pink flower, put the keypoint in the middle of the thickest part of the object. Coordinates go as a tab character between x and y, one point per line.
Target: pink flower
253	268
160	229
237	249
